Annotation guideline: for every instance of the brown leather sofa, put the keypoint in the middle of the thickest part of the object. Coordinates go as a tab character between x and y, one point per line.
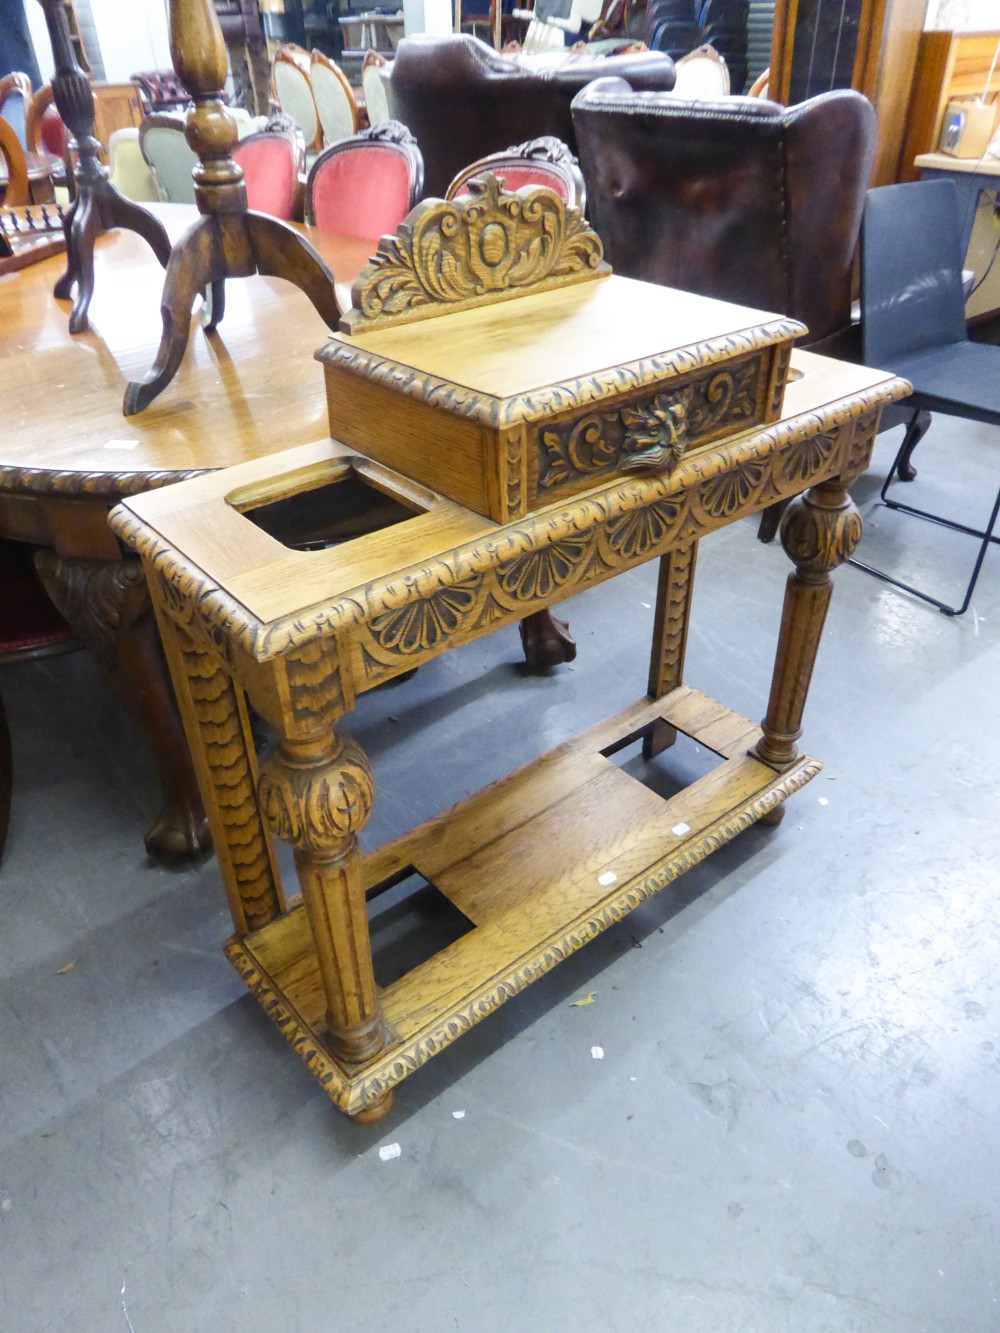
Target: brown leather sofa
741	199
461	100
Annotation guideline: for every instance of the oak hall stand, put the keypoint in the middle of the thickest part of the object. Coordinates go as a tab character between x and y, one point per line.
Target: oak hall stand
508	453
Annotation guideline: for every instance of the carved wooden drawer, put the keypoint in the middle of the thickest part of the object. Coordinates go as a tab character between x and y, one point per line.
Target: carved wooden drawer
508	409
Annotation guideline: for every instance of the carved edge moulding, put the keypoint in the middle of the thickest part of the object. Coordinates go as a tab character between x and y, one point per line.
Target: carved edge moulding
629	519
489	245
630	377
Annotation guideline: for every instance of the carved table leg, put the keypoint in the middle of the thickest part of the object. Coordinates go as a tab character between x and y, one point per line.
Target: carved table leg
316	793
107	604
219	736
546	641
666	661
819	531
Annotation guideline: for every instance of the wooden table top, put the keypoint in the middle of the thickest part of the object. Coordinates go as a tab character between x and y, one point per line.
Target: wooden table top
250	390
985	165
203	522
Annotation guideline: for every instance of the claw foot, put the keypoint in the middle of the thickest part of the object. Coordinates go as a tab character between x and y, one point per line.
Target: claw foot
546	641
178	835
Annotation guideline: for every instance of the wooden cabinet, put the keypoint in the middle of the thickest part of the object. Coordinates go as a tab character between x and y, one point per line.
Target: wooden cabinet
870	45
116	107
949	64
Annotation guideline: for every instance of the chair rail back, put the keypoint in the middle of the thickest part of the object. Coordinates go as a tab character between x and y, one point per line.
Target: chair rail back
366	185
544	161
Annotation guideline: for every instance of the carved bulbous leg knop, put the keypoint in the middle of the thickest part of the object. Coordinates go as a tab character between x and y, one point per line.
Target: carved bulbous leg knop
316	793
819	531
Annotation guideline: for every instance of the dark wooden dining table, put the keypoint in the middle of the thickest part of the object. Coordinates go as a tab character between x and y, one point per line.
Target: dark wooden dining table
67	455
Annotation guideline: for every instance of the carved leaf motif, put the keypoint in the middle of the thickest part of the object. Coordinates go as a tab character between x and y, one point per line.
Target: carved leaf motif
543	572
637	532
424	624
727	493
729	396
317	811
588	448
805	457
485	243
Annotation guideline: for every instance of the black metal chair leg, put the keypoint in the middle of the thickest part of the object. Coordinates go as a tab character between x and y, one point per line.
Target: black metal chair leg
987	536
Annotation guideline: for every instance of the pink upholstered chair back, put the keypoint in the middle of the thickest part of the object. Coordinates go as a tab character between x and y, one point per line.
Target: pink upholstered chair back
545	161
272	162
366	185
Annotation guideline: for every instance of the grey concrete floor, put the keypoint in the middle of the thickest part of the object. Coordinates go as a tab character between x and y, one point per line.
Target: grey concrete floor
793	1127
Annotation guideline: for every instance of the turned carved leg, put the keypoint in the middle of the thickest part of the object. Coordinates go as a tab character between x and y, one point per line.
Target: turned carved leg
670	627
316	793
819	531
198	265
97	205
107	604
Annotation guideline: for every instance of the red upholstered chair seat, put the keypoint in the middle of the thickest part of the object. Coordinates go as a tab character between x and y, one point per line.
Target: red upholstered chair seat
270	171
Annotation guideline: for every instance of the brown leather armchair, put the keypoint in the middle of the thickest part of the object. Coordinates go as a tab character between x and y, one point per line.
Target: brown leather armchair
741	199
462	101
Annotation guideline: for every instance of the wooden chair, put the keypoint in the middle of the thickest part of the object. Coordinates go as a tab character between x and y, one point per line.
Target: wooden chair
44	131
15	97
169	156
759	87
335	105
913	320
376	100
292	83
544	161
273	164
30	627
366	185
701	75
128	170
18	191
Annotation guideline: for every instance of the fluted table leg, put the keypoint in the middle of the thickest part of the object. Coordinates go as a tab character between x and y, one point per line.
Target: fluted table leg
819	531
316	793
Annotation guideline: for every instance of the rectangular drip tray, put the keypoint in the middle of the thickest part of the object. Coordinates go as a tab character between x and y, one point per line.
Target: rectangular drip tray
529	869
350	505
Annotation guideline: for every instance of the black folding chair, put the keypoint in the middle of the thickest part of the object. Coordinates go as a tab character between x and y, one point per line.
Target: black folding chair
913	323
